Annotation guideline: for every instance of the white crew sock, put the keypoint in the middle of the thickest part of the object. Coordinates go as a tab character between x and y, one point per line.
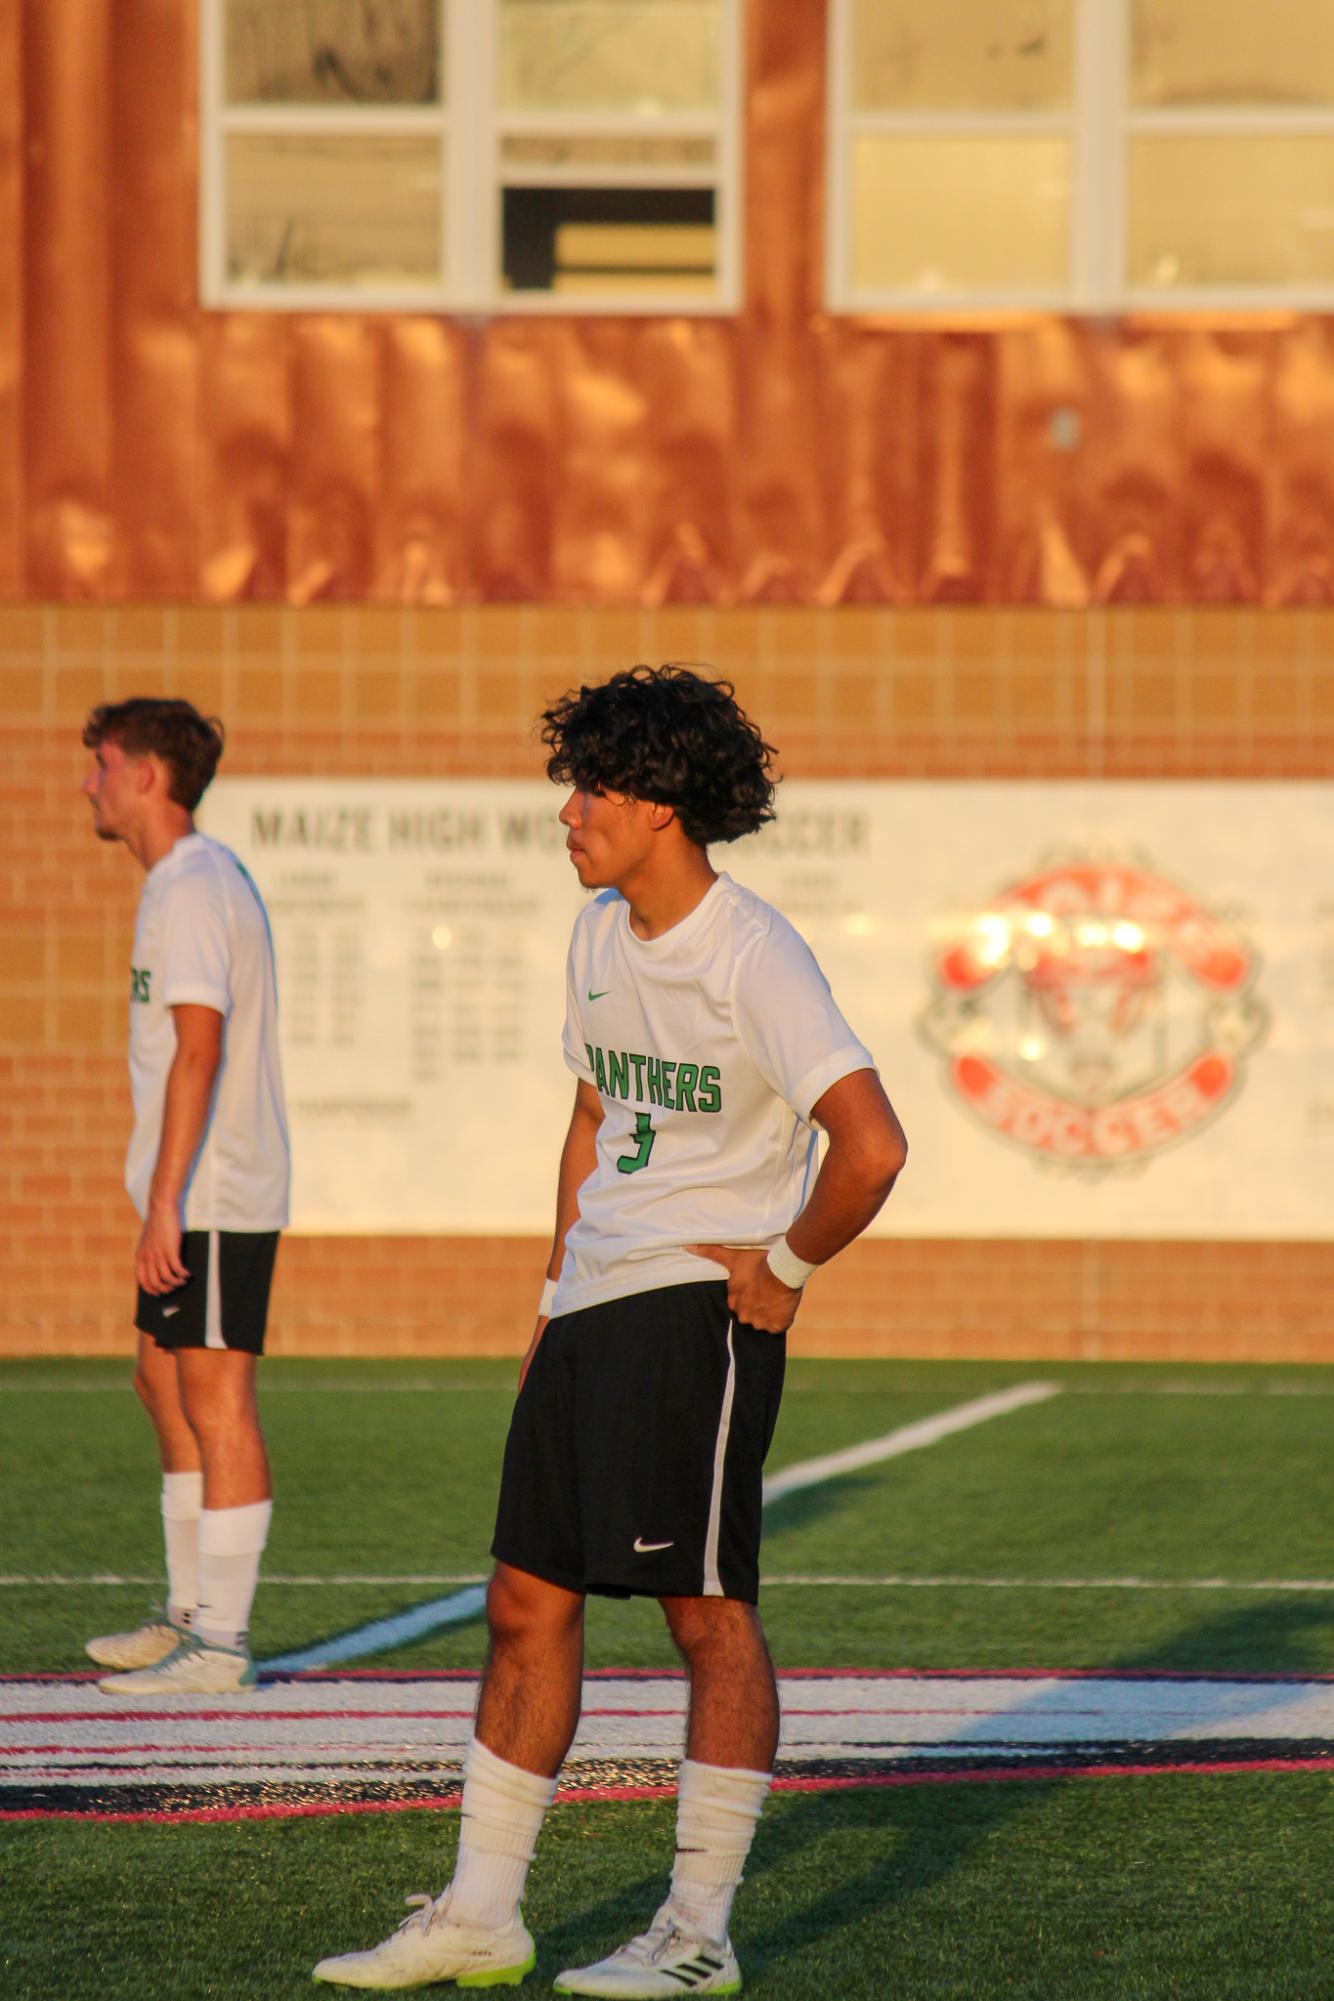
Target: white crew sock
716	1814
182	1502
231	1542
503	1811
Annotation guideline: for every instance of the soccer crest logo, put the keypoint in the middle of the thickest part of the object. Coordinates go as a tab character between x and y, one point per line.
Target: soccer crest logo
1094	1014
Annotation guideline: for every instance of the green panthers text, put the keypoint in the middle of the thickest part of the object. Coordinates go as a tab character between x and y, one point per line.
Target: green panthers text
677	1087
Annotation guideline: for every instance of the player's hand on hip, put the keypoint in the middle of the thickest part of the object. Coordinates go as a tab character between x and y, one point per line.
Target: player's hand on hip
158	1267
754	1295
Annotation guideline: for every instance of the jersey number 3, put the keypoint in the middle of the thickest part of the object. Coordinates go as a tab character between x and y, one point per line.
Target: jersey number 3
644	1136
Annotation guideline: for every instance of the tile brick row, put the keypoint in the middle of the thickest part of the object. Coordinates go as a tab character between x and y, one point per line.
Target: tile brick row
354	689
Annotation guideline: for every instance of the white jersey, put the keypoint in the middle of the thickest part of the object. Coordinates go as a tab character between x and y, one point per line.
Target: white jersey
202	936
708	1047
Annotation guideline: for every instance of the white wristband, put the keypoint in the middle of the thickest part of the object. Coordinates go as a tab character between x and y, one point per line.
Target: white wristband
548	1299
786	1266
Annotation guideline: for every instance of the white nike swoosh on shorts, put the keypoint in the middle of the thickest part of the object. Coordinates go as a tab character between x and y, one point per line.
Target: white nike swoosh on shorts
167	1311
643	1548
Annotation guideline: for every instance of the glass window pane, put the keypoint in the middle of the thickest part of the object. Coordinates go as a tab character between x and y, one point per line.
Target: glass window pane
634	57
614	240
961	55
311	210
956	214
333	52
1194	53
1231	210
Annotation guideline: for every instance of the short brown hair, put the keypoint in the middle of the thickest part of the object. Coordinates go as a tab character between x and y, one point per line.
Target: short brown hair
188	744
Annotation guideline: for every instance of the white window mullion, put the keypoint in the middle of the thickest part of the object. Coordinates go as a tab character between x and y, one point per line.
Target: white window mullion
728	128
212	166
1220	122
345	121
537	174
288	157
469	26
847	126
838	181
1099	166
958	124
599	125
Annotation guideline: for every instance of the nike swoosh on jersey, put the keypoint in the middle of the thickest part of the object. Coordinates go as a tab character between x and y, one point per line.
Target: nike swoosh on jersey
600	995
643	1548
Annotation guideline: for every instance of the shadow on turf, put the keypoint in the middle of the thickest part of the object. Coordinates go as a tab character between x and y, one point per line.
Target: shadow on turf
1268	1638
940	1827
792	1511
805	1505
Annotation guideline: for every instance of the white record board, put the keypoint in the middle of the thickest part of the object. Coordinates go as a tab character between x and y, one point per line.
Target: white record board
1100	1009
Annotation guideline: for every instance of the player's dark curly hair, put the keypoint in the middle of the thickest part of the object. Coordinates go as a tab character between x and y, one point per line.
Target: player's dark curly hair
188	744
669	735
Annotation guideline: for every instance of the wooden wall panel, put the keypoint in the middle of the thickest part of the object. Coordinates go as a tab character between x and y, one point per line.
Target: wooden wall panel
781	455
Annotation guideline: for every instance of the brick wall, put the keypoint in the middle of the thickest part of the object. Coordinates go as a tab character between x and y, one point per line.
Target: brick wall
331	689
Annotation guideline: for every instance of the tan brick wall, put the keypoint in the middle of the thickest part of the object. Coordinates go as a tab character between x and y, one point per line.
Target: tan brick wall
951	693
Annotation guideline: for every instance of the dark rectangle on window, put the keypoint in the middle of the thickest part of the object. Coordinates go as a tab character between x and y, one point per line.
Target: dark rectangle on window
534	217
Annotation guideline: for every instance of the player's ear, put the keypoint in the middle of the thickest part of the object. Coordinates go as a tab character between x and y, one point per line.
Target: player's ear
660	815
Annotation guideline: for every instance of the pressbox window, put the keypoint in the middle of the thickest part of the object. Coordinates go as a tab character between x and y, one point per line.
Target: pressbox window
1080	155
475	155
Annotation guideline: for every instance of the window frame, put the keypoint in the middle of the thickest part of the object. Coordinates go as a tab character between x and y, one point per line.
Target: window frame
1103	124
472	127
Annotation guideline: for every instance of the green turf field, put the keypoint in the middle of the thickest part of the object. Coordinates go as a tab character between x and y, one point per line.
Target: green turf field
1025	1532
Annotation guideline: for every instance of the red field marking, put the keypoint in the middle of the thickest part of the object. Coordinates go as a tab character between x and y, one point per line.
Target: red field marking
257	1758
447	1803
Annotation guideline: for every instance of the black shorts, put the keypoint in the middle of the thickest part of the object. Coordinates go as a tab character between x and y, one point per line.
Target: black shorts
635	1453
225	1301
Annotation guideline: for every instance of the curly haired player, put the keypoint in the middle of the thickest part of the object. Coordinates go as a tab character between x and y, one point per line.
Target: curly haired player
707	1048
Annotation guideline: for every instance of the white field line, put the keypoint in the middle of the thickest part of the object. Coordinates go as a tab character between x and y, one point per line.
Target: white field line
419	1385
900	1581
404	1386
384	1634
112	1577
414	1734
1200	1389
907	1438
895	1583
381	1635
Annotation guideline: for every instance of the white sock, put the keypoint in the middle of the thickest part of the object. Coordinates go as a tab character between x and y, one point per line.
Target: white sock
716	1814
231	1542
182	1501
503	1811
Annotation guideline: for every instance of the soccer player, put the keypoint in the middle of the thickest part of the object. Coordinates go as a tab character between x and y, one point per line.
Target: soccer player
706	1047
207	1170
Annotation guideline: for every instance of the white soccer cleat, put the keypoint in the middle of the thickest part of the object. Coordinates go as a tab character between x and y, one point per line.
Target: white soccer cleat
190	1668
666	1959
144	1647
429	1945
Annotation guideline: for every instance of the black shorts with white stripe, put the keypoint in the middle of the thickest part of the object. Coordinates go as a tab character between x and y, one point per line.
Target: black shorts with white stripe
225	1301
636	1450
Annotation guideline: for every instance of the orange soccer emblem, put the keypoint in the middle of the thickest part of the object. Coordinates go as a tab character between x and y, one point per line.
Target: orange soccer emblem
1094	1013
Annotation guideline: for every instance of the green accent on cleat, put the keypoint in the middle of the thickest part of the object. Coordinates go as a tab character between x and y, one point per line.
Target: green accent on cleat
504	1976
